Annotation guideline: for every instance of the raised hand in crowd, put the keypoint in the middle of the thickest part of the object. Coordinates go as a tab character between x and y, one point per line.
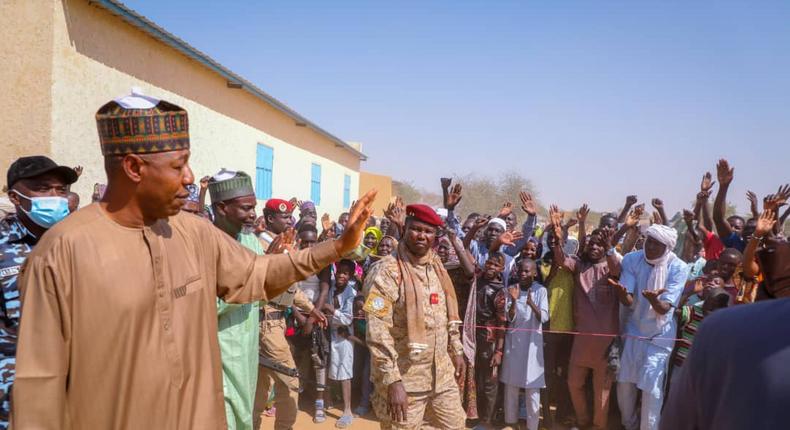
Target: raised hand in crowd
630	228
283	242
765	223
555	220
581	215
702	212
528	204
725	173
656	218
636	214
453	197
358	218
396	213
752	198
658	204
470	235
569	224
764	227
507	209
78	170
775	201
326	222
446	182
707	183
630	201
506	238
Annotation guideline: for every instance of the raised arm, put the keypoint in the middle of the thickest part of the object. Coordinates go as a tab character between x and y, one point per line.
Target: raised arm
581	215
774	202
396	213
470	235
451	199
630	201
765	223
629	225
464	258
529	207
659	205
507	238
242	279
725	174
555	220
688	217
752	198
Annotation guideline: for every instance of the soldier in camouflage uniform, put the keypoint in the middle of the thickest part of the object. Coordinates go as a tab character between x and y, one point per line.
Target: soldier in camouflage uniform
273	345
29	179
411	372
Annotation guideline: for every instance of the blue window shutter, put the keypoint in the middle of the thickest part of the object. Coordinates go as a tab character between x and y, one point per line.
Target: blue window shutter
315	183
263	172
346	191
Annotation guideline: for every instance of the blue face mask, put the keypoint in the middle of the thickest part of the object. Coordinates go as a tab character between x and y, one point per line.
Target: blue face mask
46	211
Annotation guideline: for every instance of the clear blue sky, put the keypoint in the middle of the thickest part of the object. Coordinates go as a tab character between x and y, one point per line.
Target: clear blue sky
591	100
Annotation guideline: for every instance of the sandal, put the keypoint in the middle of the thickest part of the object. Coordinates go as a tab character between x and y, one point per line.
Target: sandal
344	421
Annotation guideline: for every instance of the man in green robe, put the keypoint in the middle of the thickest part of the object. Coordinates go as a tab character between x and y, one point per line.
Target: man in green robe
233	200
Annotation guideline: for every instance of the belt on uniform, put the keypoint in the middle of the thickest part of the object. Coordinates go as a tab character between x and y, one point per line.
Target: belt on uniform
275	315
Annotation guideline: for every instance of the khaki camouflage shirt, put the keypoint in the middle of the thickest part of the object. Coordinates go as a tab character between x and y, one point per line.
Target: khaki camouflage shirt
387	336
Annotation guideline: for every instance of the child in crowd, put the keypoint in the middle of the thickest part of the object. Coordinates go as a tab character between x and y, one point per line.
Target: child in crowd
490	322
691	316
339	311
527	310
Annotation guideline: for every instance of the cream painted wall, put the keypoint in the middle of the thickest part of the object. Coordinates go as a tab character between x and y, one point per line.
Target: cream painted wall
25	79
81	84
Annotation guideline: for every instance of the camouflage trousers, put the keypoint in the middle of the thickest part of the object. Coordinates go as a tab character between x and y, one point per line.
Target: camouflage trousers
441	410
7	367
286	388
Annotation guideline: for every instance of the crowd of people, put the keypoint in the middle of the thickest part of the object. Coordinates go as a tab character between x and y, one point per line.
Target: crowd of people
154	308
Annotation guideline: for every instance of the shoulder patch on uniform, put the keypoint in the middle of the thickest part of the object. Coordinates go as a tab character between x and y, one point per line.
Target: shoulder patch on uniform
377	304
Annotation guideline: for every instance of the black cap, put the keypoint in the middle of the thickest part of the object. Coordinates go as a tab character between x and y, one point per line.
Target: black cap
30	167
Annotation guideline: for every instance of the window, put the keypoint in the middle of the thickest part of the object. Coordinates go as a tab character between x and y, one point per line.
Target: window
263	172
346	191
315	184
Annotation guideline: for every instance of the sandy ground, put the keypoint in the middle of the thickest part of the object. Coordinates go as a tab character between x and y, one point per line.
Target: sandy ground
305	421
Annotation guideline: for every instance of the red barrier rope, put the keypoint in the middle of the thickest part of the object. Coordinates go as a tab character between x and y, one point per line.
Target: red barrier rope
575	333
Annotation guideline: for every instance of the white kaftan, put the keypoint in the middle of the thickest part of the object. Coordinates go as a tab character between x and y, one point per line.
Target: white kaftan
522	363
341	363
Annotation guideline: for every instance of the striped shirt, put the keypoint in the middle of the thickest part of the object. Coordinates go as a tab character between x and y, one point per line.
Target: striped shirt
690	317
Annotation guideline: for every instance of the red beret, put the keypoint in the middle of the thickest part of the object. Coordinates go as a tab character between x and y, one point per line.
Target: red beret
425	214
279	205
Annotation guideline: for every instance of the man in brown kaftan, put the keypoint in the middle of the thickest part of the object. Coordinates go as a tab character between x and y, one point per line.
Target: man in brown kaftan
119	329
